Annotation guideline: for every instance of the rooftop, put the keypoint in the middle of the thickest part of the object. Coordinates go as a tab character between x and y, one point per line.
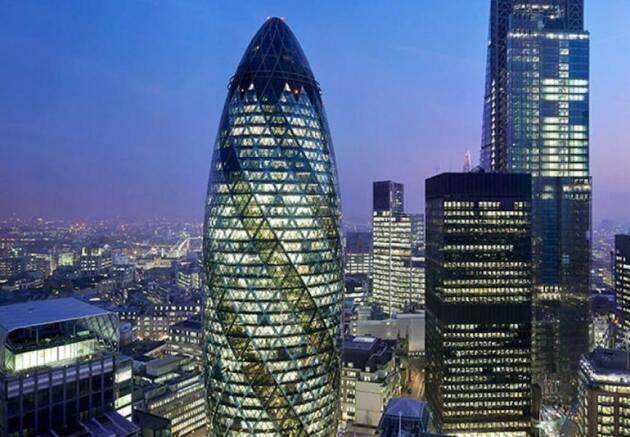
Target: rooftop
192	324
405	407
609	361
622	244
363	352
43	312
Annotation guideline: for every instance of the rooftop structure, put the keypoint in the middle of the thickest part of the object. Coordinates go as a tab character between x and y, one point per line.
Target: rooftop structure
604	394
60	370
405	417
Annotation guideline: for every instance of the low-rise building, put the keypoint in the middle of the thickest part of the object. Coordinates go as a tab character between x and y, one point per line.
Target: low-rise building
370	377
11	266
409	327
154	321
185	339
405	417
172	387
604	394
189	277
94	261
60	369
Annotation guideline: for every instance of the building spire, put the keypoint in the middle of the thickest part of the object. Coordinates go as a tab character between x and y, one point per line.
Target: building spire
467	161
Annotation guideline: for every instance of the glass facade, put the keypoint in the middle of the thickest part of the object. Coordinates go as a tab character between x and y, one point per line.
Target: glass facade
60	368
536	120
397	242
273	252
621	259
479	296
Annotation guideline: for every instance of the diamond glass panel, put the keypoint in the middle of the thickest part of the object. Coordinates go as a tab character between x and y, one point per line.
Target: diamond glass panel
272	250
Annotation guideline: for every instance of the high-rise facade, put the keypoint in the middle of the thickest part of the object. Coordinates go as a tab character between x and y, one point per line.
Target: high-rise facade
396	237
479	297
273	252
358	254
536	120
621	262
417	233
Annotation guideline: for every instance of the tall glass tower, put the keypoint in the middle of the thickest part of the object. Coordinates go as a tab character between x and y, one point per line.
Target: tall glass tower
397	265
272	250
536	120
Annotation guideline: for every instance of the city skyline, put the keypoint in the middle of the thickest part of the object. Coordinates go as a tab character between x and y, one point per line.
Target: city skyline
138	145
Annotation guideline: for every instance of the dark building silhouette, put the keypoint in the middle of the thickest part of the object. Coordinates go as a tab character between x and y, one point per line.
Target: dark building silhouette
621	259
479	296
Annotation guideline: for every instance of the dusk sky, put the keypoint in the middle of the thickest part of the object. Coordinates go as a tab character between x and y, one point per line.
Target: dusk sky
110	108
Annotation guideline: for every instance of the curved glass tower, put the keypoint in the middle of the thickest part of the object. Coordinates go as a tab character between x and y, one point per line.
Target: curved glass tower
272	251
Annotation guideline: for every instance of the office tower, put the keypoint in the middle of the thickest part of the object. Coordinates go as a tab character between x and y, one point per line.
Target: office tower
93	261
621	260
395	235
273	252
369	379
356	290
11	266
417	233
388	196
536	120
358	257
479	295
604	394
417	261
60	370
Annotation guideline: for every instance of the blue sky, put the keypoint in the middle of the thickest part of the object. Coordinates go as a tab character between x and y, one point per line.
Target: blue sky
110	109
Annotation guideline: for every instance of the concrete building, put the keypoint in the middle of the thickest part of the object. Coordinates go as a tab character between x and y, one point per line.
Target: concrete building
10	266
189	277
154	321
409	327
172	387
370	377
604	394
94	261
185	339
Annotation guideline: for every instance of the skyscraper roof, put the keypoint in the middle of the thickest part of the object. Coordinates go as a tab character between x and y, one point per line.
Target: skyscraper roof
274	52
35	313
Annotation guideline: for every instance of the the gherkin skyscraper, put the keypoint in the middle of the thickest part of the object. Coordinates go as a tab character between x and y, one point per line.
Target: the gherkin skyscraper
272	251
